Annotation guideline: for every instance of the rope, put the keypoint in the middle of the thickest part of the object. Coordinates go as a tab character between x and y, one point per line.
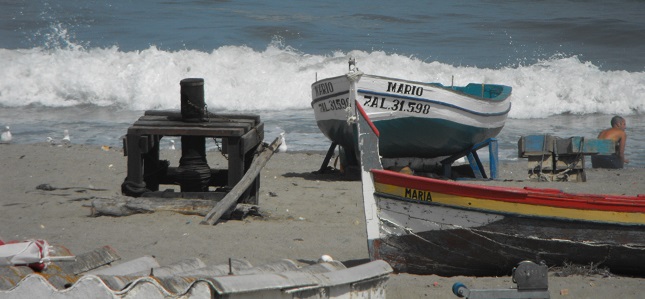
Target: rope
564	175
133	189
539	174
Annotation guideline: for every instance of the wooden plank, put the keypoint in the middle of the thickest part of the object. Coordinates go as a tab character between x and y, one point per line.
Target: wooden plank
543	162
535	145
206	195
565	146
249	178
600	146
182	202
135	162
569	162
151	165
235	161
149	123
182	131
119	206
251	196
580	145
253	138
177	114
167	123
220	120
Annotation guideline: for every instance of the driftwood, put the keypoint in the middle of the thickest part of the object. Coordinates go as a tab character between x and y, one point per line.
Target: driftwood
249	177
125	206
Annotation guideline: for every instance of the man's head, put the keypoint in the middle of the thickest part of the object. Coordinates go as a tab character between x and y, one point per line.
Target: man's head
618	122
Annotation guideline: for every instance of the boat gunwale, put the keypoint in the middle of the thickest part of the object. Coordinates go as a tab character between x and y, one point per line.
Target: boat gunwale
497	99
506	213
591	202
502	97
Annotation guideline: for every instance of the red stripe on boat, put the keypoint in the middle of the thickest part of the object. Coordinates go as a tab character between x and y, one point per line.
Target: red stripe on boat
369	121
534	196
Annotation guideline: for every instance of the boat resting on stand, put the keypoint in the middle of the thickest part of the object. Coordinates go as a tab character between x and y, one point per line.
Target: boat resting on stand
428	226
416	119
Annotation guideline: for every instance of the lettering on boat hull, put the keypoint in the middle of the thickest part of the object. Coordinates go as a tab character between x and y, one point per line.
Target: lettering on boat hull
418	194
406	89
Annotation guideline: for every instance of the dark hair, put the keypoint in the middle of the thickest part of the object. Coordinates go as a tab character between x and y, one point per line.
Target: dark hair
615	120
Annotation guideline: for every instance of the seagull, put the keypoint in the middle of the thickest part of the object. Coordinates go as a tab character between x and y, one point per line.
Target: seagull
56	142
172	144
53	141
66	139
6	136
283	145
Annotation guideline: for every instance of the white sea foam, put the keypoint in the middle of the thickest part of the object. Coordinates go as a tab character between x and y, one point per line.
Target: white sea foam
278	78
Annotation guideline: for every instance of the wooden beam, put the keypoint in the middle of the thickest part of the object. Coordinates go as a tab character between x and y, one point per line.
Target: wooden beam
159	123
249	178
190	131
253	138
120	206
235	161
231	116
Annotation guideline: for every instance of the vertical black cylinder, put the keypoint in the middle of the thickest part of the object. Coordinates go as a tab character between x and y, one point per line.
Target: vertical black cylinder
192	99
194	174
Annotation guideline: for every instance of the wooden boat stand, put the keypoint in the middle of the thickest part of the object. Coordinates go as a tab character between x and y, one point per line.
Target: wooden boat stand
470	153
474	161
330	153
240	134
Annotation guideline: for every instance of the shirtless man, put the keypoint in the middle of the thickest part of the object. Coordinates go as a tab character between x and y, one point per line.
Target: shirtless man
618	135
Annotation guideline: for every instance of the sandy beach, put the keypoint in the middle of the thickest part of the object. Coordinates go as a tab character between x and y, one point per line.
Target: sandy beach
305	215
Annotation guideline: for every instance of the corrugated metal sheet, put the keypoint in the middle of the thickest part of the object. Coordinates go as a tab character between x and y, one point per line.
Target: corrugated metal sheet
191	278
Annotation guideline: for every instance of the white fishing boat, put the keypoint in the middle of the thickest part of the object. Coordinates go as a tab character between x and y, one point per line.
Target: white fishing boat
416	119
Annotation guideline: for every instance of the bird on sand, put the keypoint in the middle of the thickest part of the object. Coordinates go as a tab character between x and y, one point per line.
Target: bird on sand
283	145
60	142
6	136
66	139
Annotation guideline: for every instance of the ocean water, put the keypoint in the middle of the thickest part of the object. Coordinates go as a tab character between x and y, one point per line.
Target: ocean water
93	67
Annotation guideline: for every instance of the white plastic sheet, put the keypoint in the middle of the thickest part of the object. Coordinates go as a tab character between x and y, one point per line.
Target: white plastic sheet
24	253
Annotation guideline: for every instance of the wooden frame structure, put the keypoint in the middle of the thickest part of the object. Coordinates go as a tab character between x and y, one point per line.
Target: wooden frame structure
241	135
551	158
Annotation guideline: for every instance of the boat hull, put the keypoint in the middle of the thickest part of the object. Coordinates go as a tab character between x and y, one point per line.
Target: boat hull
415	119
426	230
428	226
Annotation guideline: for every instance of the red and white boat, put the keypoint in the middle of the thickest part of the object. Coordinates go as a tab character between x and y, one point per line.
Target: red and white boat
429	226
